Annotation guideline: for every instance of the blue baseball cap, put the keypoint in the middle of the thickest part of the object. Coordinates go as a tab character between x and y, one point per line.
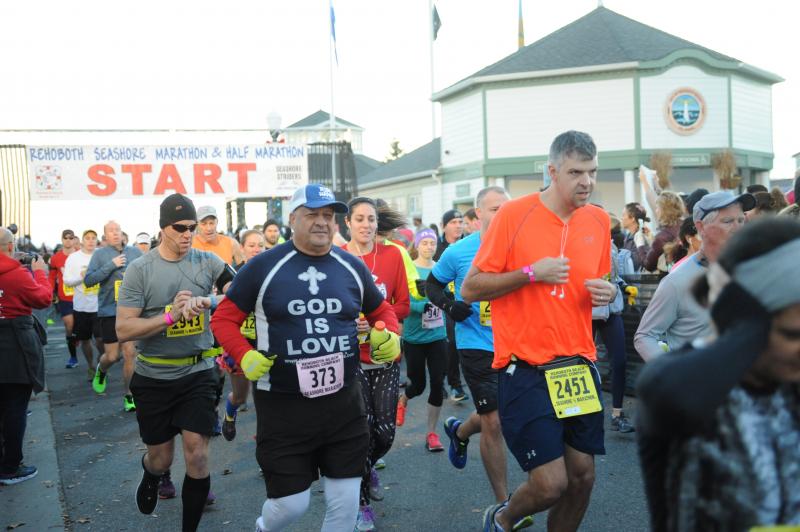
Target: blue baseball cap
316	196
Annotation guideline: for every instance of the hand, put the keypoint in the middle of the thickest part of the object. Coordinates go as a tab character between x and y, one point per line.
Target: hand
458	310
362	326
602	291
255	365
38	264
195	306
552	270
178	303
119	261
421	287
388	351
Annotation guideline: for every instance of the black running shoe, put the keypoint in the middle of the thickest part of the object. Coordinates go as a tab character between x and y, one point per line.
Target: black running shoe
147	491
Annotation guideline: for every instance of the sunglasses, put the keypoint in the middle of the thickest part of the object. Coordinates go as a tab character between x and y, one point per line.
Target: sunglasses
181	228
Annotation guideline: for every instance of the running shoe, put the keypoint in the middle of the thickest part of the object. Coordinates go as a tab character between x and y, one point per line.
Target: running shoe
401	414
72	363
375	490
130	406
621	423
229	421
457	452
366	519
166	489
210	498
147	491
489	524
99	381
380	464
457	394
433	444
22	474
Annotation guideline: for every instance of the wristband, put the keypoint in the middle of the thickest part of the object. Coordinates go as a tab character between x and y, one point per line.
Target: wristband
531	274
168	319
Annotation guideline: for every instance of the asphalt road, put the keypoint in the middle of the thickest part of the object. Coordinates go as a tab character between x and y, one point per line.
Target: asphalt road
99	451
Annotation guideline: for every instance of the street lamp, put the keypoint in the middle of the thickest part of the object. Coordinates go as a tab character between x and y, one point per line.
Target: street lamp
274	124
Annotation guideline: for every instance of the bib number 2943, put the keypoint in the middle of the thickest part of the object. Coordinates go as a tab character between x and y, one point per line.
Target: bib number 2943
321	375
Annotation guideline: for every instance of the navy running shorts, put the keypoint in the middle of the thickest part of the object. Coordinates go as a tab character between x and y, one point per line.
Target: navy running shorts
64	308
531	429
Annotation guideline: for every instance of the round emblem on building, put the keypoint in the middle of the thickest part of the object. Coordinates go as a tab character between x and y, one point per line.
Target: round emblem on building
685	111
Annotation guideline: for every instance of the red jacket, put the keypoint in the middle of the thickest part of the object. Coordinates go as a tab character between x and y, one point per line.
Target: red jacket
20	291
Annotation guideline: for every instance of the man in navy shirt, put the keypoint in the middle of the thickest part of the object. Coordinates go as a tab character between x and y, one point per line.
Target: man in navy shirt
306	296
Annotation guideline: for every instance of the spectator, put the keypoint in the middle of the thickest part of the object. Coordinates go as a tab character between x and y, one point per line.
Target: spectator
757	187
688	243
637	235
471	222
669	214
696	195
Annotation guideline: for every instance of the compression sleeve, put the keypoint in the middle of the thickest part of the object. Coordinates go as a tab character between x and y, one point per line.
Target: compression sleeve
385	314
224	278
436	291
226	323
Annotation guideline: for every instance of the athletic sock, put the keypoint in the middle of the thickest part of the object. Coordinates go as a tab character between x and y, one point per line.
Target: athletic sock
71	343
231	409
193	495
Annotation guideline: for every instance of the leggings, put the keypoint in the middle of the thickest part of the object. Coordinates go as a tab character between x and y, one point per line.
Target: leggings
613	335
380	388
453	365
435	354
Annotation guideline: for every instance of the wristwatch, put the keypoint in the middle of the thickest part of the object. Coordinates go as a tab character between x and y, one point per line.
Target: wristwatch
531	274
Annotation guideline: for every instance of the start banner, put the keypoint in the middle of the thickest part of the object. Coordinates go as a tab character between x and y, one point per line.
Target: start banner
128	172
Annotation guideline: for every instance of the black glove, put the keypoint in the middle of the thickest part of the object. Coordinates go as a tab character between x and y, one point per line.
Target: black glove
421	287
458	310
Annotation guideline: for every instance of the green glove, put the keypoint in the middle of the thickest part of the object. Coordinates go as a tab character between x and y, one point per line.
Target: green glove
255	365
385	346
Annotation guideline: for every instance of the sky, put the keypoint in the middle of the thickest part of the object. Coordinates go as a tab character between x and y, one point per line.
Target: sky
210	64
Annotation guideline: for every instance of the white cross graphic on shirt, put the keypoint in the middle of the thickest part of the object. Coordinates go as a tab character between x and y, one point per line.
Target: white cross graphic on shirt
312	276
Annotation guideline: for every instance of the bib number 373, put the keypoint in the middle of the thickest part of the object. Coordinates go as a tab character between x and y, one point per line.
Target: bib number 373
572	391
321	375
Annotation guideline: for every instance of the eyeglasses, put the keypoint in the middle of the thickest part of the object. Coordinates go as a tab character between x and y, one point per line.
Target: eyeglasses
181	228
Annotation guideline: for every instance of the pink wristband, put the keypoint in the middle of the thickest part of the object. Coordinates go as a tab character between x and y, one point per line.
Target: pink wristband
530	272
168	319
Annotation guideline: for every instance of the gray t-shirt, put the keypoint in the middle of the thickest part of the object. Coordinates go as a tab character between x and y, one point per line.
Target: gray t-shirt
150	284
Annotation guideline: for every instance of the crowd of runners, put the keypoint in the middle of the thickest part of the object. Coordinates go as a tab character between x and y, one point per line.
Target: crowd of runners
512	297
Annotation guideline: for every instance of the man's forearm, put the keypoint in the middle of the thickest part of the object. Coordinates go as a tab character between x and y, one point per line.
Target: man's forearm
135	328
485	286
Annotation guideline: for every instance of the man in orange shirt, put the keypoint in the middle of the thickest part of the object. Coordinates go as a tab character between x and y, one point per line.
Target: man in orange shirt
207	238
543	264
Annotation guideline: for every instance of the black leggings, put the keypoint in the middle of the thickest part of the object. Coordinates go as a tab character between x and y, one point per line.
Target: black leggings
435	354
453	365
613	335
380	388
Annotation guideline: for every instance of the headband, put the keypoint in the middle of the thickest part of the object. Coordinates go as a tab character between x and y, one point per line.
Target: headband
422	235
772	278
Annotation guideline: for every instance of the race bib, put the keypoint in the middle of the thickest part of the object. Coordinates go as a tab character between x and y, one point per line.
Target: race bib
185	328
68	290
117	284
485	313
432	317
572	391
321	375
248	328
91	290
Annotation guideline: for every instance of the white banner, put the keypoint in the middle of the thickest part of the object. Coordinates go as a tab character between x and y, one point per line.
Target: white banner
127	172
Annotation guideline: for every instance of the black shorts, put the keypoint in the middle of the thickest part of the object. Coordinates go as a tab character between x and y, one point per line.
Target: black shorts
531	429
166	407
108	326
64	308
299	438
86	325
481	377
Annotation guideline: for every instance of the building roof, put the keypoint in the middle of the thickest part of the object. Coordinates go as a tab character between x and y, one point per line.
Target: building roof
600	38
364	164
418	163
320	118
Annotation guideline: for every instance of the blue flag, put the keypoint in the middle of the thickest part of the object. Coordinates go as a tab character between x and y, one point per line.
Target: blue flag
333	33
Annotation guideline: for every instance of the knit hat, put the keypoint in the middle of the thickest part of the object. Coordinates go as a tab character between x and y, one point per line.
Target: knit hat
450	215
174	208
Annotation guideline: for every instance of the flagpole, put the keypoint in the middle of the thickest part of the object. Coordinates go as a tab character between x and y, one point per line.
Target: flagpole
430	40
332	125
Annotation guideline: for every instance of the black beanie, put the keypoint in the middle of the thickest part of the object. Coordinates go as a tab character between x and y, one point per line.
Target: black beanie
174	208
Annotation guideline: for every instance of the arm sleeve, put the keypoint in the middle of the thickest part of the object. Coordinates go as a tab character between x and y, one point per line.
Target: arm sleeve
660	314
72	271
682	390
226	323
437	288
495	244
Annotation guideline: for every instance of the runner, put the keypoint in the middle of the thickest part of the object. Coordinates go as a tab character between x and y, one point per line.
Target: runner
380	383
208	239
85	299
272	234
107	268
475	348
424	342
164	303
143	242
69	243
306	296
541	264
252	244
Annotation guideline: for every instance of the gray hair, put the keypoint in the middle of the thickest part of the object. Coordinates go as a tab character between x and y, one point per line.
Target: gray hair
569	144
482	194
6	236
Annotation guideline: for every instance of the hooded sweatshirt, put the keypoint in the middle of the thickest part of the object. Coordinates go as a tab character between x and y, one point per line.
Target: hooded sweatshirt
21	290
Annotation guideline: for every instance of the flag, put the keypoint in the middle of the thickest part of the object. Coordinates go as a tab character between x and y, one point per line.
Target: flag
333	33
521	29
437	23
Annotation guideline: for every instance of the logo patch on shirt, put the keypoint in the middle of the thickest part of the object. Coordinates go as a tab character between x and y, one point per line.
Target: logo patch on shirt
312	276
